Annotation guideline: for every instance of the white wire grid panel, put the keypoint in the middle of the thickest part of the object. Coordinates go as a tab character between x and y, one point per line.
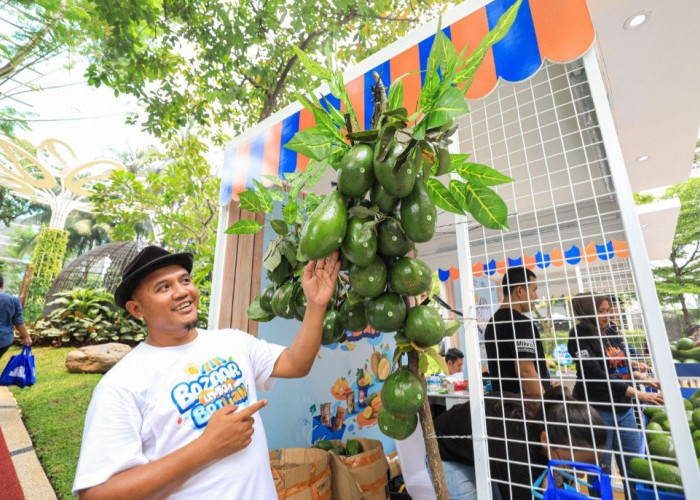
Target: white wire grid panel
544	134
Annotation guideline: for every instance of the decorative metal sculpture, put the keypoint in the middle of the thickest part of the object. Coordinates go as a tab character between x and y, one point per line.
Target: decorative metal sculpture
56	181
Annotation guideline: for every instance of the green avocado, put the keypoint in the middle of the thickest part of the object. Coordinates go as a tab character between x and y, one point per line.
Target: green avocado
399	183
424	326
353	316
368	281
282	304
418	213
383	200
324	445
356	171
386	313
353	447
662	447
410	276
663	472
396	426
299	301
685	343
392	241
266	298
332	328
360	243
402	392
324	230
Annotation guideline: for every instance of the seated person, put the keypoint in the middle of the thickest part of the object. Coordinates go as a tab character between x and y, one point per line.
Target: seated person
522	436
455	361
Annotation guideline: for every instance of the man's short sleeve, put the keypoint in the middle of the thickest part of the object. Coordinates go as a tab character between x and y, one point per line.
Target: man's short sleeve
525	339
263	357
111	439
18	316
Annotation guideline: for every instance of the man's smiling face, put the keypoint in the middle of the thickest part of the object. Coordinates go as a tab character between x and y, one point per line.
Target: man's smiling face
167	300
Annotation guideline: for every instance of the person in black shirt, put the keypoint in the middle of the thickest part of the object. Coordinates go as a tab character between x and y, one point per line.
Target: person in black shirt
604	379
515	355
522	436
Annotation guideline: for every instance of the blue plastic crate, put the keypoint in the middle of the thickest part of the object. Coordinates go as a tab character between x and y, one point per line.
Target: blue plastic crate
687	369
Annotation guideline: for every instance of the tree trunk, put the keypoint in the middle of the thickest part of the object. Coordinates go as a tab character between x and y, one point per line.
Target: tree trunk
684	308
431	444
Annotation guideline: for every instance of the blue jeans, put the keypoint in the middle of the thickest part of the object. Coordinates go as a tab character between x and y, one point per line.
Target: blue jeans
625	446
461	481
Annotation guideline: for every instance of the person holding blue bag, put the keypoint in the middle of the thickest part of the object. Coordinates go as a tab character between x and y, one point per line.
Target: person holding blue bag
11	317
20	370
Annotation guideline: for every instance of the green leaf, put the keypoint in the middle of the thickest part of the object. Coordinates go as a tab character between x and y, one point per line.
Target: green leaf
452	326
473	61
433	353
336	114
458	190
363	212
483	174
264	196
314	173
446	57
311	66
395	98
256	312
245	226
279	226
311	144
442	197
324	121
273	257
367	136
276	195
249	201
423	363
289	212
450	104
486	206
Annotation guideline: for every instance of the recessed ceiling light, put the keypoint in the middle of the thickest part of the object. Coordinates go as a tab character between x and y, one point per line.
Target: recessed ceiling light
643	158
637	19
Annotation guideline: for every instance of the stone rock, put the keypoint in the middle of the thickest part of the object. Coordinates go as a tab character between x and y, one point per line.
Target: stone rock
96	358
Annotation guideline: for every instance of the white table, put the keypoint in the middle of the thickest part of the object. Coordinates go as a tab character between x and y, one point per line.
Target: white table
448	400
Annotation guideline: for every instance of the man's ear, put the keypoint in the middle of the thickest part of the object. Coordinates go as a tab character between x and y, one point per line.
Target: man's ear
134	308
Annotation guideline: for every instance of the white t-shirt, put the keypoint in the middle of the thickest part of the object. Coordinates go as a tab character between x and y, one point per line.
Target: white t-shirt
158	399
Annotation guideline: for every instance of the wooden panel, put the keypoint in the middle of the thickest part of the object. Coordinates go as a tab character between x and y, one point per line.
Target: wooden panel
256	266
229	268
242	278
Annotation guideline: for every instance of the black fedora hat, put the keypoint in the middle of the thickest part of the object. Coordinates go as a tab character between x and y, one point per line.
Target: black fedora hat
148	260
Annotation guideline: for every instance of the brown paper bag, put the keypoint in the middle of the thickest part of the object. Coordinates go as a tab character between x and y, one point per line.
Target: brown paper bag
370	469
301	474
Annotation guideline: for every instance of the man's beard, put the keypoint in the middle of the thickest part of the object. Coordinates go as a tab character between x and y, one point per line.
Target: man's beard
191	326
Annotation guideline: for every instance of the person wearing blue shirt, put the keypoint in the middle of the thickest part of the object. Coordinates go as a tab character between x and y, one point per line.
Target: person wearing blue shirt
11	317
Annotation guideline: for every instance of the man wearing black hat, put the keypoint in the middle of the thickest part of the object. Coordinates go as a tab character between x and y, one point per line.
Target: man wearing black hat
177	416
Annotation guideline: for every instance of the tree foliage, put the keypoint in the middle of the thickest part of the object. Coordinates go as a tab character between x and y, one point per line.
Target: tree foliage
33	32
231	64
682	275
170	201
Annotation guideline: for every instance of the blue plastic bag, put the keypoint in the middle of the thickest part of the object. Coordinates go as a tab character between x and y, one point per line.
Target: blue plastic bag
20	370
601	483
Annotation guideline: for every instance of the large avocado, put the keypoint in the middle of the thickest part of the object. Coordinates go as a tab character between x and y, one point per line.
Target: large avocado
368	281
282	301
424	326
663	473
266	298
356	172
418	213
360	243
397	184
386	313
391	239
396	426
324	230
353	316
410	276
332	329
402	392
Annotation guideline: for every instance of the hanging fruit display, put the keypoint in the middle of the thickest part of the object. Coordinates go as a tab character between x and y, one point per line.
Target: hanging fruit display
390	182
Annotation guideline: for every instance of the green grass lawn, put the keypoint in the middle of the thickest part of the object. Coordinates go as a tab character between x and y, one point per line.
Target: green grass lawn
53	411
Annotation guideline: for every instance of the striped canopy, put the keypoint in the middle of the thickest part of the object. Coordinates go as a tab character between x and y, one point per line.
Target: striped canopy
557	30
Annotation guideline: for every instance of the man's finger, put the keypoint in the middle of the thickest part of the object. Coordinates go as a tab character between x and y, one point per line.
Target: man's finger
249	410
